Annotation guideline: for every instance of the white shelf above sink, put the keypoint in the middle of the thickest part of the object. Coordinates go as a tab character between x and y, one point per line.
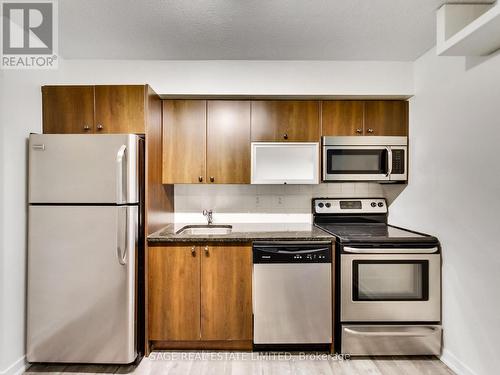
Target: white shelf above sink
468	29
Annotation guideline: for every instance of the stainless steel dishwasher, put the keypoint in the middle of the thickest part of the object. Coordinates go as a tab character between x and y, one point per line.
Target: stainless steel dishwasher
292	295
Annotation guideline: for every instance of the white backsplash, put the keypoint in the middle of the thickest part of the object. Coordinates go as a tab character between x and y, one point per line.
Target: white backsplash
262	203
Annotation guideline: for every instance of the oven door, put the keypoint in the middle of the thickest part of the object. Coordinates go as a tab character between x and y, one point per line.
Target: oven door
356	163
390	287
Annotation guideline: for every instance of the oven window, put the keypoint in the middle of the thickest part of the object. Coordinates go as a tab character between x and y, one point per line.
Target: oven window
357	161
390	280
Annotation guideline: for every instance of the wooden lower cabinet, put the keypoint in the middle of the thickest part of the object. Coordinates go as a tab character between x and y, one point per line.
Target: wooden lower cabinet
200	296
226	293
174	293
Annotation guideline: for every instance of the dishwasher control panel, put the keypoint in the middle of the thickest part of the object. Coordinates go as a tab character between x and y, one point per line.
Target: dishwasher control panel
292	253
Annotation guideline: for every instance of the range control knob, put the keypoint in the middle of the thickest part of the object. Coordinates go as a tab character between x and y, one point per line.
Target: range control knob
320	205
380	204
328	205
373	204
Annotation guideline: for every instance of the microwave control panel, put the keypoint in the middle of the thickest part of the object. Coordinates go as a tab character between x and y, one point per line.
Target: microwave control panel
398	161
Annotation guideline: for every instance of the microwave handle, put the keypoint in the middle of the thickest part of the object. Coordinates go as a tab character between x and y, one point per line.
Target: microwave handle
389	161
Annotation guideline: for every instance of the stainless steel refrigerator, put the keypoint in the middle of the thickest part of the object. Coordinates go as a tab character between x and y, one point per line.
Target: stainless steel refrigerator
83	231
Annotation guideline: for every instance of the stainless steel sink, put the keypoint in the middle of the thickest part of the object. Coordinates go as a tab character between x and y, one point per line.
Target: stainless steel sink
205	229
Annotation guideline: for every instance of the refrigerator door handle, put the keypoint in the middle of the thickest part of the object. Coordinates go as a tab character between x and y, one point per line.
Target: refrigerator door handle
122	255
120	191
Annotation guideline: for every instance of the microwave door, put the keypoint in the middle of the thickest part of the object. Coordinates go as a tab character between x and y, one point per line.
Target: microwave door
356	163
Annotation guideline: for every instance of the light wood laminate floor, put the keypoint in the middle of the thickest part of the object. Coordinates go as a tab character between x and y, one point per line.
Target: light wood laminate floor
224	363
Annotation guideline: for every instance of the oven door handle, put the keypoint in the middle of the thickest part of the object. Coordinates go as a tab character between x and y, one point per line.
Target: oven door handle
420	332
395	250
389	161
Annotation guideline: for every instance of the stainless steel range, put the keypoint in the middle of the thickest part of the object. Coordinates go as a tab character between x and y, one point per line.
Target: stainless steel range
388	281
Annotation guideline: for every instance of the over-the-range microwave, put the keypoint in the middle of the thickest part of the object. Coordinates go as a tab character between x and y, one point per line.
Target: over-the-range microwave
365	158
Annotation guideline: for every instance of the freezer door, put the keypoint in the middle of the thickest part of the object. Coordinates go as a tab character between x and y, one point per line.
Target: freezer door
81	284
84	168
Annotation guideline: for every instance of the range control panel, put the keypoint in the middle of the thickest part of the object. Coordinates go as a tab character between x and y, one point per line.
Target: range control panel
349	206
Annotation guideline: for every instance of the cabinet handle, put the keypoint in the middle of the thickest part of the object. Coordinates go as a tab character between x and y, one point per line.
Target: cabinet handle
193	250
359	131
285	136
86	128
370	130
200	179
100	127
212	179
206	251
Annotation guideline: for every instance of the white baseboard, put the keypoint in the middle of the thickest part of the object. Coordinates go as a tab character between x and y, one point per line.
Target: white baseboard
16	368
455	364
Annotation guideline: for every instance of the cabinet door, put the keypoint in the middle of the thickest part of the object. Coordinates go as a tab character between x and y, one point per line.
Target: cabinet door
226	292
120	109
174	293
386	117
184	141
228	142
68	109
342	117
285	120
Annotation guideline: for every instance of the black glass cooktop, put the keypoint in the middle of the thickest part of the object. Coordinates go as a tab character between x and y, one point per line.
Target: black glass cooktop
373	232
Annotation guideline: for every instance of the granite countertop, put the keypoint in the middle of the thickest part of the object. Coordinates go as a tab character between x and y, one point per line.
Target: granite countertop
245	232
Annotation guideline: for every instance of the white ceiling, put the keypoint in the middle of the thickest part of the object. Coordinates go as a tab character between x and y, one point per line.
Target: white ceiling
247	29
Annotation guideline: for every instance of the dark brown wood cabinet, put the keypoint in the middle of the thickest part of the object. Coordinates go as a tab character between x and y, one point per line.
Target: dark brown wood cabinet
94	109
206	141
226	293
342	117
119	109
369	117
386	117
184	141
285	120
228	142
174	293
68	109
200	296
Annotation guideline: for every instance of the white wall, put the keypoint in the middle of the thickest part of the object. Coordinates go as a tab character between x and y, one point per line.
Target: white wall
21	114
454	193
256	203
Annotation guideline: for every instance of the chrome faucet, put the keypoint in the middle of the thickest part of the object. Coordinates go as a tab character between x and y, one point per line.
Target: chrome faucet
209	215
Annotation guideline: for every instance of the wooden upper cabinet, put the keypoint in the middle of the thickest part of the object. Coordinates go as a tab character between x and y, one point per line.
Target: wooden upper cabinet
226	293
342	117
94	109
369	117
285	120
120	109
184	141
386	117
68	109
174	293
228	142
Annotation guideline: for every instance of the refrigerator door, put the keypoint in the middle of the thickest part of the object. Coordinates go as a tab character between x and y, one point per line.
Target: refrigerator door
81	284
84	168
